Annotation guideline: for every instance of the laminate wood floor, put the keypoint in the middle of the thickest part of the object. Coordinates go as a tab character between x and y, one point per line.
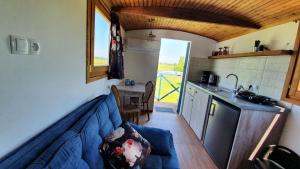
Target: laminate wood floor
190	152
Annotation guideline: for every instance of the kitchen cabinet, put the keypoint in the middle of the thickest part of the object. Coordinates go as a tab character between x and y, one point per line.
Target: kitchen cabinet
187	103
232	130
199	107
194	108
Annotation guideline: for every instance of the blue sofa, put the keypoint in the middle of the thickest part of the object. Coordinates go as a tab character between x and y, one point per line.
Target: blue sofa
72	142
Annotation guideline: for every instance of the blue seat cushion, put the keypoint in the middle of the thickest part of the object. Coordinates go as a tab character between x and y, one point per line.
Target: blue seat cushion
47	155
161	140
153	162
91	139
69	156
170	162
161	162
114	113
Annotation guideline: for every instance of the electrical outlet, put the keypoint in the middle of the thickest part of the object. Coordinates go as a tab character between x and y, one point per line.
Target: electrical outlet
34	47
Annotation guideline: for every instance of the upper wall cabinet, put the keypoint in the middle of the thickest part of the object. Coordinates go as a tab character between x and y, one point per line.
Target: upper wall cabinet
98	41
291	91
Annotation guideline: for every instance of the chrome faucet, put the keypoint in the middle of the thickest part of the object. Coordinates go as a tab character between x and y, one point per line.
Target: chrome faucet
236	82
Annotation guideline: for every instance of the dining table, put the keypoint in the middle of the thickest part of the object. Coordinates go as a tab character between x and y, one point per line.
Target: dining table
137	90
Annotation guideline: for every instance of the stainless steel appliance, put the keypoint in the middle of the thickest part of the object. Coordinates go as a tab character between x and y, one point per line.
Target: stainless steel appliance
220	131
213	79
205	77
208	77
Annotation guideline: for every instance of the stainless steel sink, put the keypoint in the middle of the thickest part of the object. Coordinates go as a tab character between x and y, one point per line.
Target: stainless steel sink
218	89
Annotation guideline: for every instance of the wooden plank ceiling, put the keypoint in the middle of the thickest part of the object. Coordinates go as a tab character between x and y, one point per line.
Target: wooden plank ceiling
215	19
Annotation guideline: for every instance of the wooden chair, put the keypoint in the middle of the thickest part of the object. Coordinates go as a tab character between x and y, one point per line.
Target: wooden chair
125	110
149	87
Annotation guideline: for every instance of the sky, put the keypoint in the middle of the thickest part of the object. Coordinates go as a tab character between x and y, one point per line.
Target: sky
171	50
101	42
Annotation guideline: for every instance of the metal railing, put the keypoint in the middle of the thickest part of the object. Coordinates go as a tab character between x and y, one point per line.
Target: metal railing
162	77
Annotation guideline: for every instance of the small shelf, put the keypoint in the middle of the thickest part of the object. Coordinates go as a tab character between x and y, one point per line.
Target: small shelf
251	54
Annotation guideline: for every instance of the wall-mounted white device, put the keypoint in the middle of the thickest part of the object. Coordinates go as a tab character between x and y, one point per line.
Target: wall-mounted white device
21	45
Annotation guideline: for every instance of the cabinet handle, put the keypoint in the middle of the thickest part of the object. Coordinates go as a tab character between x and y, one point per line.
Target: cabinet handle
212	109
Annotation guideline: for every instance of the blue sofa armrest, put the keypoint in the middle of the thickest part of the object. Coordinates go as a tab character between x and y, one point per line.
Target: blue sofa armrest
161	140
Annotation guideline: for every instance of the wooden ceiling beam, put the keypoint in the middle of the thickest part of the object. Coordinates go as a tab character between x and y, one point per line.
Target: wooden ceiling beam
187	14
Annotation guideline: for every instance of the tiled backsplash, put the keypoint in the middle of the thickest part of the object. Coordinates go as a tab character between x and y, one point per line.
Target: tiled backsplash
267	73
197	65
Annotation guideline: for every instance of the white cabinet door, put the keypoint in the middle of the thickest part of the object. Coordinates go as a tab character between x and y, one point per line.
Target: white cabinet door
187	106
199	108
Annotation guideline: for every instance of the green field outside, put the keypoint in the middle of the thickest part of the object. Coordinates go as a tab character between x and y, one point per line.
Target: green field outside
175	80
166	88
100	61
166	67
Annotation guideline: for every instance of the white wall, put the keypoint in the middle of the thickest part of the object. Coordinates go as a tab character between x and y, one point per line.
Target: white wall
36	91
277	37
267	72
141	60
144	55
201	47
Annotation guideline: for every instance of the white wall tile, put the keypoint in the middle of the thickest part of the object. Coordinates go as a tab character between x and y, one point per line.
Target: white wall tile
266	72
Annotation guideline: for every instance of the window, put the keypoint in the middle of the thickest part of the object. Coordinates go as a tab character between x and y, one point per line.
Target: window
291	91
98	41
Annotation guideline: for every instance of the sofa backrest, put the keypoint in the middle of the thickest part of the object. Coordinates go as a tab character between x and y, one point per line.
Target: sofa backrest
91	130
99	125
25	154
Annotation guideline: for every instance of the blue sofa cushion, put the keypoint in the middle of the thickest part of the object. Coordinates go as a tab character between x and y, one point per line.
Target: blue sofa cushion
153	162
91	140
77	127
125	148
161	140
105	124
161	162
25	154
47	155
114	113
170	162
69	156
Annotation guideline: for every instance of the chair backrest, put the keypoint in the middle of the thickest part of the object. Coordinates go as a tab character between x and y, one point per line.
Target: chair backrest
281	156
149	90
118	98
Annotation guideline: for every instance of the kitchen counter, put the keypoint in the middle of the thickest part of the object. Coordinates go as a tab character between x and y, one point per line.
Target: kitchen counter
229	97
